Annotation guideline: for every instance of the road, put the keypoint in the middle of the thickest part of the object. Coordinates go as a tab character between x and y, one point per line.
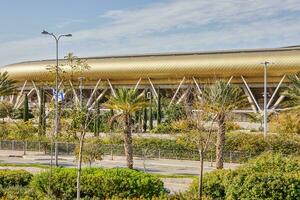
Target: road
161	166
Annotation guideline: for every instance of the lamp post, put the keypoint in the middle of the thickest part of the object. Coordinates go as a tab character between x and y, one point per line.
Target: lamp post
266	63
56	121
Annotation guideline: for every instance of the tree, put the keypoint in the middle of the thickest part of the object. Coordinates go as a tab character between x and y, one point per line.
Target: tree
159	115
220	99
197	139
126	102
293	91
91	152
26	109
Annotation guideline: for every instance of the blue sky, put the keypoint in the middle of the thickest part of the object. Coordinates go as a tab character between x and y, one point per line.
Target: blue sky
114	27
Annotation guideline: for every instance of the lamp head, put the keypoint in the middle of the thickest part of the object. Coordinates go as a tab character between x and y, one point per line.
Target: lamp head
45	32
68	35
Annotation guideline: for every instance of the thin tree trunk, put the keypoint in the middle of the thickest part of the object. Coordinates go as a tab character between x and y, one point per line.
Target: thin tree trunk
200	187
220	141
128	142
79	164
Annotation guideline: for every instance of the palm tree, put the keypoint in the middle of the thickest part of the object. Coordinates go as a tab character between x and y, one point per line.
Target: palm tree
126	103
293	91
219	99
6	84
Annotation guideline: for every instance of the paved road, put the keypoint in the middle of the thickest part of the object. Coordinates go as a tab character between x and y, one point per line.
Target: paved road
161	166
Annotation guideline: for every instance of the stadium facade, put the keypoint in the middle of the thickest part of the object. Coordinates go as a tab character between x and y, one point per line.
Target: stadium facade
180	76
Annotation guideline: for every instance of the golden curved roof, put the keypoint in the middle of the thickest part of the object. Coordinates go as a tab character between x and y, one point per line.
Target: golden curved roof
168	68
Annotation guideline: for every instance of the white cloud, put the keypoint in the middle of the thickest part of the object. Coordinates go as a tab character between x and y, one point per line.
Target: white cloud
176	25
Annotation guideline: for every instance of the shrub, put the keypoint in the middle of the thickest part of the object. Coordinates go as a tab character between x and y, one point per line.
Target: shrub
269	176
163	128
91	152
100	183
286	123
14	178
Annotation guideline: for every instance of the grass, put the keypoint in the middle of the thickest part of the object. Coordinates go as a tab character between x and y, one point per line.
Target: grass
24	165
174	175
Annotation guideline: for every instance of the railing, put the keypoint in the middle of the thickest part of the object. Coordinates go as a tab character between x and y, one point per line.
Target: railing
65	148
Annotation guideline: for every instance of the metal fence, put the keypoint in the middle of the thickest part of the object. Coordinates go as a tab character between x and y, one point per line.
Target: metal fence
65	148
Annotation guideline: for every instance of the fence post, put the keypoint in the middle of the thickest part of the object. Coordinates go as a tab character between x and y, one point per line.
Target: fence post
211	160
67	146
230	156
13	145
158	154
39	146
111	152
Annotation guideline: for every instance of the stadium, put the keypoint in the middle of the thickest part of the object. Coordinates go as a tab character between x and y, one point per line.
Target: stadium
179	76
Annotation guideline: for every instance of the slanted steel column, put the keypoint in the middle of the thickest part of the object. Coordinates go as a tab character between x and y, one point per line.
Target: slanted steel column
275	92
20	94
183	96
153	88
177	90
137	84
250	99
91	96
111	88
74	92
248	88
98	98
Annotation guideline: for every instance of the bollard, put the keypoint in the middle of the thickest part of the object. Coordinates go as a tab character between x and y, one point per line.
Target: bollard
13	145
211	160
230	156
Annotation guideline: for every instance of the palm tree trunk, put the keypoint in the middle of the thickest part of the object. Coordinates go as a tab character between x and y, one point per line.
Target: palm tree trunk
128	142
220	141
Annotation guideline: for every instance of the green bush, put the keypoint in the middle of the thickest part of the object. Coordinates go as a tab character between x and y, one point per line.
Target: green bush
100	183
269	176
163	128
10	178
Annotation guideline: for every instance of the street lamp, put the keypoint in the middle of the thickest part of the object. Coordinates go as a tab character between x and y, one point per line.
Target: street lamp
56	121
266	63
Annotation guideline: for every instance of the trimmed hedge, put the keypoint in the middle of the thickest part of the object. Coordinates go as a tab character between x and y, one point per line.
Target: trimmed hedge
9	178
270	176
100	183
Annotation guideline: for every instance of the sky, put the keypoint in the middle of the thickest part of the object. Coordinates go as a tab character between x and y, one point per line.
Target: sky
118	27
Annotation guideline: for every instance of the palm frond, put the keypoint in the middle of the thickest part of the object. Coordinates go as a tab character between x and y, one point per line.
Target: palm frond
7	85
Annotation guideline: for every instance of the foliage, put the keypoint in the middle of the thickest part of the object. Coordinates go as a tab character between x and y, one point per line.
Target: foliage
232	126
6	109
221	97
286	123
23	130
163	128
4	131
19	114
91	152
126	101
270	176
7	86
194	139
10	178
175	112
293	91
100	183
